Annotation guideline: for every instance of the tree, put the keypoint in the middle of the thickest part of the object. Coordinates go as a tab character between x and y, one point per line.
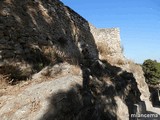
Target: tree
151	70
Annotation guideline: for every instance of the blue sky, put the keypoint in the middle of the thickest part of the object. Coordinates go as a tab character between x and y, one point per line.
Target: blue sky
138	20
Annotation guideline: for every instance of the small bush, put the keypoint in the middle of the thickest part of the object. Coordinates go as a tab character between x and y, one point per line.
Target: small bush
52	55
12	73
120	62
103	49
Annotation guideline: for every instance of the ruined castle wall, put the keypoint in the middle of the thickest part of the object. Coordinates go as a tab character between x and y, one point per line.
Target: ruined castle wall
32	32
108	41
34	28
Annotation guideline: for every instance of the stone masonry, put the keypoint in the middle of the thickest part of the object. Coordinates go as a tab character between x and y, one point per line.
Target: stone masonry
108	39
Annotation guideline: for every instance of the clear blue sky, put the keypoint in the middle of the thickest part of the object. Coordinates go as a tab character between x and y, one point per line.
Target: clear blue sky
138	20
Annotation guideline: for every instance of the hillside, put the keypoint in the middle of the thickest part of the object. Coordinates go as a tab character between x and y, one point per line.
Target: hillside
60	67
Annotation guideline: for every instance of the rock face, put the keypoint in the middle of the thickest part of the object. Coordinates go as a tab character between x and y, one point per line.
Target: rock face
32	103
46	38
35	33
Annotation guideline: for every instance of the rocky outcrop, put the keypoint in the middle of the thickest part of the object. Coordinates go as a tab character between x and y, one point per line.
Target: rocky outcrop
89	78
33	102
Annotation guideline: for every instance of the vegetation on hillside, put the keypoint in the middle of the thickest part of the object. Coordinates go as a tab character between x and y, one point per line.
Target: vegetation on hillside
151	70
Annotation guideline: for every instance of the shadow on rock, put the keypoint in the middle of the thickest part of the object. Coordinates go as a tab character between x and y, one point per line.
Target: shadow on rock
77	104
95	99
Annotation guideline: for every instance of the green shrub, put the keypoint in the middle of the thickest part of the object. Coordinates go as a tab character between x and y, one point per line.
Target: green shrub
151	71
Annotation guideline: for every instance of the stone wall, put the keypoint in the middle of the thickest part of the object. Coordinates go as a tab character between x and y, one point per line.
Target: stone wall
32	33
108	43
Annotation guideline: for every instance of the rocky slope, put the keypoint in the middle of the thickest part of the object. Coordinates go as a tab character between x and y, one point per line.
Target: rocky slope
76	71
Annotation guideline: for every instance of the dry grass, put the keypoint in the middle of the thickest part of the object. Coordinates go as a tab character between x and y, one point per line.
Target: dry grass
103	49
13	74
3	81
35	105
50	53
105	53
51	72
120	62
